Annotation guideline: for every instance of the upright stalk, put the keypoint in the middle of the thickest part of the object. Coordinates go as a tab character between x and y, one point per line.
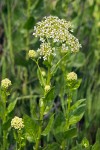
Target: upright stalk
68	108
41	124
39	136
42	106
9	36
27	32
69	100
4	99
19	145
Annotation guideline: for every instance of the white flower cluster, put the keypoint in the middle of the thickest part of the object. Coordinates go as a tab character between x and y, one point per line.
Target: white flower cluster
5	83
72	76
58	31
52	27
46	50
17	123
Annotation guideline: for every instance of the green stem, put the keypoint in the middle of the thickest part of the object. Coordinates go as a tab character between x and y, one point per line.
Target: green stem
68	108
4	65
4	97
40	127
38	139
10	36
69	100
4	140
57	65
19	140
63	145
27	32
49	77
62	104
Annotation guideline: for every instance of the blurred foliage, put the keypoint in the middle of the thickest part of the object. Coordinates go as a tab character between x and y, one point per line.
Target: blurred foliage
16	24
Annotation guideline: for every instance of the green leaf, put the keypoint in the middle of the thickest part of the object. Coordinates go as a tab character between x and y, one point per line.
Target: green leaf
50	95
41	79
79	110
55	67
53	146
98	135
59	119
7	125
74	106
49	126
96	146
71	133
59	123
11	106
1	109
75	119
74	85
31	127
79	60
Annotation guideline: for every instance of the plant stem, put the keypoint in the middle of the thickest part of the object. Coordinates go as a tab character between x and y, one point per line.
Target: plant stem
39	136
27	32
40	127
19	140
49	76
62	104
9	36
4	97
68	108
4	58
63	145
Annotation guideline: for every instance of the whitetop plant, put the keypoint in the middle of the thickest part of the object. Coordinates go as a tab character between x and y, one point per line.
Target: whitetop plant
56	37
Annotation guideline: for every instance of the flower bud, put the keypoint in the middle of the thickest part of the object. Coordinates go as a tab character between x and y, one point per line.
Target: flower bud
72	76
43	73
32	54
5	83
47	88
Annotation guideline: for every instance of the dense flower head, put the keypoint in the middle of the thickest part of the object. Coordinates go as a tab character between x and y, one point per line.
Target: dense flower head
17	123
72	76
46	50
52	27
5	83
56	30
32	54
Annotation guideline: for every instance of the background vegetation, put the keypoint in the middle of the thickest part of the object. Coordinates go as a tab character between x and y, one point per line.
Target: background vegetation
16	26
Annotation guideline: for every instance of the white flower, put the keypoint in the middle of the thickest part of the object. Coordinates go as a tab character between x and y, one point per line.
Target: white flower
71	76
5	83
55	30
17	123
45	50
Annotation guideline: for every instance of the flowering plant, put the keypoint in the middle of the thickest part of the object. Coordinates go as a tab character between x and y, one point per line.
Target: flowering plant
53	124
57	44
